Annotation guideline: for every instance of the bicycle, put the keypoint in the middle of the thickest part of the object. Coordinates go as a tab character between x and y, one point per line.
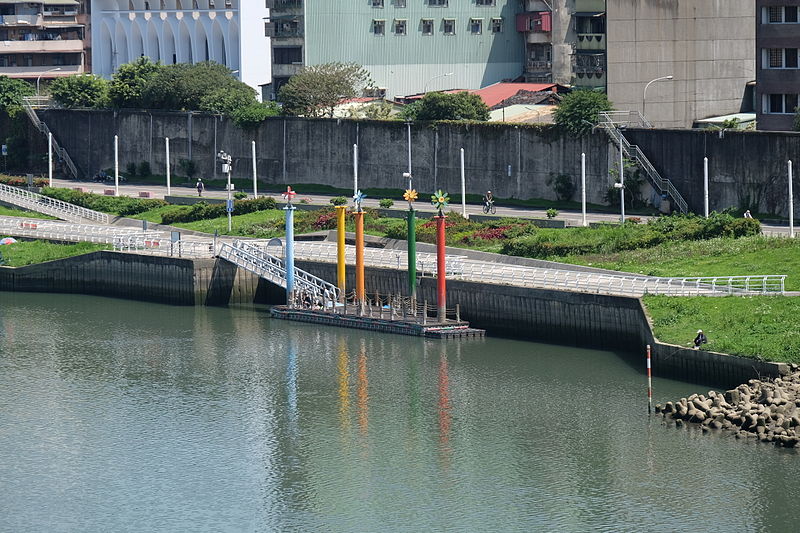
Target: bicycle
488	207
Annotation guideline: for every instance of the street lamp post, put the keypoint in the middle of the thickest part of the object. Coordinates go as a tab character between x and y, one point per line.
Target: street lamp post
425	90
644	93
226	160
40	77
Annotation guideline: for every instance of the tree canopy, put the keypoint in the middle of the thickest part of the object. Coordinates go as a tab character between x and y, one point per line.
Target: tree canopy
316	90
579	110
129	82
11	93
444	106
80	90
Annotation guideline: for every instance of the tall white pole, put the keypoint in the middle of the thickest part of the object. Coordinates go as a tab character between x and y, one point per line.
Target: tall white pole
622	184
50	157
169	181
355	169
255	173
583	188
463	188
116	165
705	186
409	147
791	202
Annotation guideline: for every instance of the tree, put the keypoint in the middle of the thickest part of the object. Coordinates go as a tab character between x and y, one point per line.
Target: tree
444	106
315	91
11	93
251	116
129	83
579	111
80	90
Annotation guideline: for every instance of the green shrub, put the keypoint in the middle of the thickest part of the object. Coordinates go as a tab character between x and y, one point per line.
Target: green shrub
19	181
130	169
551	213
563	186
188	167
204	211
144	169
118	205
338	200
239	195
386	203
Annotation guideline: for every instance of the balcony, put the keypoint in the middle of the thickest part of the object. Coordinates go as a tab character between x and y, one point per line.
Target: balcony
591	41
590	79
20	20
285	70
538	67
284	5
596	6
39	47
34	72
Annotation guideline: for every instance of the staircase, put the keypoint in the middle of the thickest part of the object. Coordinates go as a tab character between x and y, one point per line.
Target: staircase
30	104
49	206
613	122
253	259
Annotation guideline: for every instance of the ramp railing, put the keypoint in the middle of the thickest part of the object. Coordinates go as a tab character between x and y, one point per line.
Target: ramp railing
30	104
49	206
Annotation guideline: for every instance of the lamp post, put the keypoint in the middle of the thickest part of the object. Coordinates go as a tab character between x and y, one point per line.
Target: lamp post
40	77
425	89
644	93
226	160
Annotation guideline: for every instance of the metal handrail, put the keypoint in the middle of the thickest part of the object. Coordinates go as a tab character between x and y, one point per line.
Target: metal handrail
611	121
28	103
49	206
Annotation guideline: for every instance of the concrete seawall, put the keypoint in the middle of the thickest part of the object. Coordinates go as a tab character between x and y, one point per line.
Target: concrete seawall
600	321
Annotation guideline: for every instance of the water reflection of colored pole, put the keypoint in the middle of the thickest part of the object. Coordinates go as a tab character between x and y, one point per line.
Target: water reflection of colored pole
362	392
340	261
441	288
360	293
412	254
291	385
344	384
444	402
289	254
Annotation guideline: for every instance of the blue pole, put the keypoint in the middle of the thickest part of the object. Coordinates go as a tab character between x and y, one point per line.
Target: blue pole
289	261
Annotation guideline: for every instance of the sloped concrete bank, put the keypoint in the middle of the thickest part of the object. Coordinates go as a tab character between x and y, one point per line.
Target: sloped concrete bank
605	322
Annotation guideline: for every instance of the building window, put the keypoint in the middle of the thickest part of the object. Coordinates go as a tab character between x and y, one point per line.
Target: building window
399	27
427	26
377	3
779	15
437	3
476	26
780	103
497	25
484	2
378	27
288	55
779	58
399	3
449	26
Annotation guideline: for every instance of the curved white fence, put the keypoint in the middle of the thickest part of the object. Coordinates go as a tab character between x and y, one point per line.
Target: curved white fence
49	206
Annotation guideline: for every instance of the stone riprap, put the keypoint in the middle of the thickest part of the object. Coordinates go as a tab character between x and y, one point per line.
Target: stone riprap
768	410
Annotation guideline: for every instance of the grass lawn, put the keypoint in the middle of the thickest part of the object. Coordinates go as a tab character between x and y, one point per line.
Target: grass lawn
714	257
764	327
29	252
9	212
261	224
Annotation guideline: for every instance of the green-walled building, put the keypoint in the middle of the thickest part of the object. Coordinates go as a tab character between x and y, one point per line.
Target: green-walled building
408	46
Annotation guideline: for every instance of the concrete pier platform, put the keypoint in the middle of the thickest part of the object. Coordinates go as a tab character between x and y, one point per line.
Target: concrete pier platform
409	326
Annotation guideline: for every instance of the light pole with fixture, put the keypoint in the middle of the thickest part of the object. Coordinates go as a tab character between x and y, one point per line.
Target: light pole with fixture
40	77
644	93
226	160
425	90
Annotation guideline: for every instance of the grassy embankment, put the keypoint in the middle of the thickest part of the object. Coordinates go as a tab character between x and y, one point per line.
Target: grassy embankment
31	252
9	212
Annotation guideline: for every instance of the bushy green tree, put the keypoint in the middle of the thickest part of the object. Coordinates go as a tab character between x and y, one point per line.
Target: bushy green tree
128	84
11	93
206	86
444	106
579	110
80	90
316	90
251	116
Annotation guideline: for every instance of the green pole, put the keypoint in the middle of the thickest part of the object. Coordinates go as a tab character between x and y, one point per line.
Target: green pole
412	253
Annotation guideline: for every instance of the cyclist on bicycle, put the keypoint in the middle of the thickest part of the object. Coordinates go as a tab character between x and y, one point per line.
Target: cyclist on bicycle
488	199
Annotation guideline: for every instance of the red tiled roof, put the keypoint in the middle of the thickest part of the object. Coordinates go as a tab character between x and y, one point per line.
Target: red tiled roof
496	93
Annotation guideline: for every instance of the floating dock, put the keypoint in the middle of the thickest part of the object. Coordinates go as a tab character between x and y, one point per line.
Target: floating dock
413	326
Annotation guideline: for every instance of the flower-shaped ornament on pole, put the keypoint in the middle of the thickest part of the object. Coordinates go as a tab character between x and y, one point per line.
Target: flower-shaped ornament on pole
289	195
440	201
358	198
410	196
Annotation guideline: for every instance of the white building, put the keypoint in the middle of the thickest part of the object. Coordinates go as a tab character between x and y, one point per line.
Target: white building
230	32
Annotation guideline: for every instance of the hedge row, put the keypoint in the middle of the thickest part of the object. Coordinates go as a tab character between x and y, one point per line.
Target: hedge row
17	181
545	243
118	205
204	211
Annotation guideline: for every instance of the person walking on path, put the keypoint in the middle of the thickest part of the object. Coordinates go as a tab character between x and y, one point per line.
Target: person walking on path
700	339
200	187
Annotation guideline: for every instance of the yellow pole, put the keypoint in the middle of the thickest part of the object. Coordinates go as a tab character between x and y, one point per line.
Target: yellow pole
360	293
340	261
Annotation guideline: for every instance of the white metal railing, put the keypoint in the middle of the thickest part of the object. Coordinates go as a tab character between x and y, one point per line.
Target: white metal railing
159	245
254	259
30	104
49	206
611	122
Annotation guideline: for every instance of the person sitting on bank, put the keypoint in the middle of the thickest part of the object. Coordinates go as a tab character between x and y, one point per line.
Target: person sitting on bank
700	339
747	214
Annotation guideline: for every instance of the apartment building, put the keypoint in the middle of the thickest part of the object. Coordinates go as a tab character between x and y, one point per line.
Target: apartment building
41	39
621	46
777	69
408	46
230	32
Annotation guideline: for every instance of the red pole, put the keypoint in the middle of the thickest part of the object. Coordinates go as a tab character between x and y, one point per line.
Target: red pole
649	383
441	288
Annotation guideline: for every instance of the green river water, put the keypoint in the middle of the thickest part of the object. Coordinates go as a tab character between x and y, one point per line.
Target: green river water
127	416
